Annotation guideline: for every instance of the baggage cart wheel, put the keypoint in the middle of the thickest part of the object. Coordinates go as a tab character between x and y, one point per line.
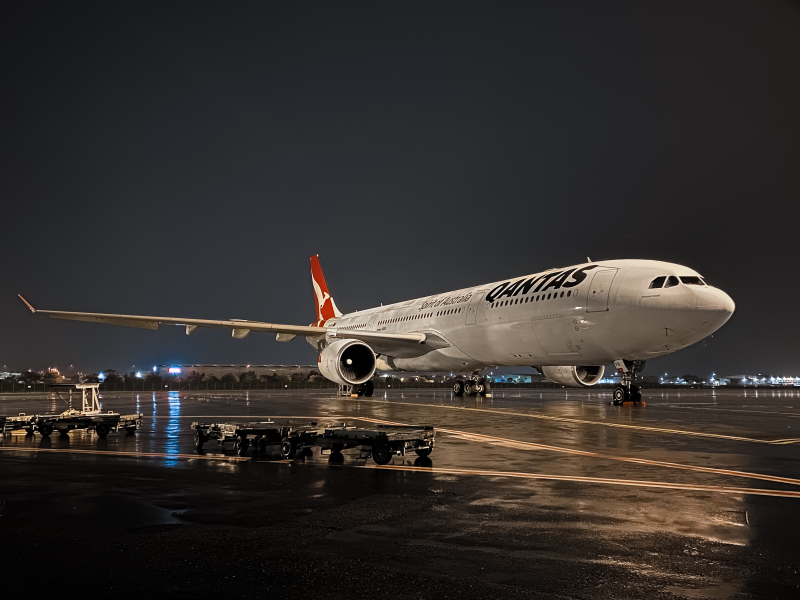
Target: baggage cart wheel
382	455
423	451
199	440
131	429
64	432
242	444
45	430
287	448
101	429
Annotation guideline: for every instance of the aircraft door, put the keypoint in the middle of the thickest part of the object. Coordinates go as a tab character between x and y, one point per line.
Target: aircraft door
597	300
472	308
372	321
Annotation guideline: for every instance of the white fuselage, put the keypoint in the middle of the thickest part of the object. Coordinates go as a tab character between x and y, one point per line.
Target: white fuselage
588	314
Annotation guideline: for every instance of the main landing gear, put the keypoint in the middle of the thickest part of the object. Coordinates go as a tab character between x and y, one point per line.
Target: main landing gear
627	391
365	389
475	385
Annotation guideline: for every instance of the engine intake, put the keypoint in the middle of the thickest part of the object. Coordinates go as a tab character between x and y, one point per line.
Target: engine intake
574	376
347	362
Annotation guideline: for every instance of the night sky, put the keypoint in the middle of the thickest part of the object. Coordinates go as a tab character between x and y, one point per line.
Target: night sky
187	159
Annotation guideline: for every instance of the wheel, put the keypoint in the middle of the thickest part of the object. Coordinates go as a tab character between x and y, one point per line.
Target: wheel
199	440
369	388
382	455
102	429
620	395
131	429
487	387
63	433
241	446
29	431
469	388
636	394
458	388
45	429
480	388
287	448
423	451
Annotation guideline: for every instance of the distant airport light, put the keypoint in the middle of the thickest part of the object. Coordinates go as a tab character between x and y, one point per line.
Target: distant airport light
155	369
174	370
139	374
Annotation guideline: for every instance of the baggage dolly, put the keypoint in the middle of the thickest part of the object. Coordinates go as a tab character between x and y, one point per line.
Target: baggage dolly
381	442
260	435
88	417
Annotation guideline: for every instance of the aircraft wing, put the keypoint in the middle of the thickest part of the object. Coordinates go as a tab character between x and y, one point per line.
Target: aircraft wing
400	345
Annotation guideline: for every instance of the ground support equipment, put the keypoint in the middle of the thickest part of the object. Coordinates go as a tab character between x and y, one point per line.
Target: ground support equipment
288	436
88	417
381	442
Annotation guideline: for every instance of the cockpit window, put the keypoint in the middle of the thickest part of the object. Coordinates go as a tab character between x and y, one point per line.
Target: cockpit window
693	280
658	282
672	281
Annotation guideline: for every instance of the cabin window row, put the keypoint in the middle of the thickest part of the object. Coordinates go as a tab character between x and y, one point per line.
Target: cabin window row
405	319
536	298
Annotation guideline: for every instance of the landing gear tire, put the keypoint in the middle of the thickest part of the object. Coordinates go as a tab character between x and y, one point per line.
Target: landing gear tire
470	388
636	394
287	448
620	395
102	430
480	388
382	455
369	388
458	388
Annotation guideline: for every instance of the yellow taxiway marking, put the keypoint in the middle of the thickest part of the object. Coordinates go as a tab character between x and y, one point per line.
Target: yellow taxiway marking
445	471
477	437
600	480
131	454
586	422
498	441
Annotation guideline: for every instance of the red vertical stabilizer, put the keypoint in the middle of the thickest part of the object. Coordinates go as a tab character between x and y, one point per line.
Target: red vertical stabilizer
326	307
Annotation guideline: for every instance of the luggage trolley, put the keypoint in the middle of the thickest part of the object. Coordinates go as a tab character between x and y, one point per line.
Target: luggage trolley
288	436
381	442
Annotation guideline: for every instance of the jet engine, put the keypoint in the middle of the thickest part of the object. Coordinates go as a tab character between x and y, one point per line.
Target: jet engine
573	376
347	362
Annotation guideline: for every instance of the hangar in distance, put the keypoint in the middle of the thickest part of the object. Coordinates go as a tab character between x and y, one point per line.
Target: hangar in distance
566	322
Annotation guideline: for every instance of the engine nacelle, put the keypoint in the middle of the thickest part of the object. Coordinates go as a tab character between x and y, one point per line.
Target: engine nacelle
574	376
347	362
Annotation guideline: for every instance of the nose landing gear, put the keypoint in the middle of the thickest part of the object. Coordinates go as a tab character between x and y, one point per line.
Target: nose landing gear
627	391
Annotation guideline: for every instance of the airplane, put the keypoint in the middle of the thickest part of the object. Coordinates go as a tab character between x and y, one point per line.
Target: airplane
567	322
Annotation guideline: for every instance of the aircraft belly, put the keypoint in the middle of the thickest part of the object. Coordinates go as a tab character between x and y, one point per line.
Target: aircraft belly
447	359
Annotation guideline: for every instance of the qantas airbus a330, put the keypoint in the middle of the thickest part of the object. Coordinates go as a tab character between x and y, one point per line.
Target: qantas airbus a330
568	323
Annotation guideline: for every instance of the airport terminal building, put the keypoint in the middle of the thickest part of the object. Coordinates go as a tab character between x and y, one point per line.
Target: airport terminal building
219	370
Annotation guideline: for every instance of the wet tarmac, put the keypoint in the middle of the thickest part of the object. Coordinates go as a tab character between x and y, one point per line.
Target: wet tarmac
536	493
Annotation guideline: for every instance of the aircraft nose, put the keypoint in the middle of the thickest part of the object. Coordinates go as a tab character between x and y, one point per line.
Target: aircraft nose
713	299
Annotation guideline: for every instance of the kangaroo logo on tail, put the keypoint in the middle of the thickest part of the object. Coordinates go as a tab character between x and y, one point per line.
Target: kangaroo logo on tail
326	307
